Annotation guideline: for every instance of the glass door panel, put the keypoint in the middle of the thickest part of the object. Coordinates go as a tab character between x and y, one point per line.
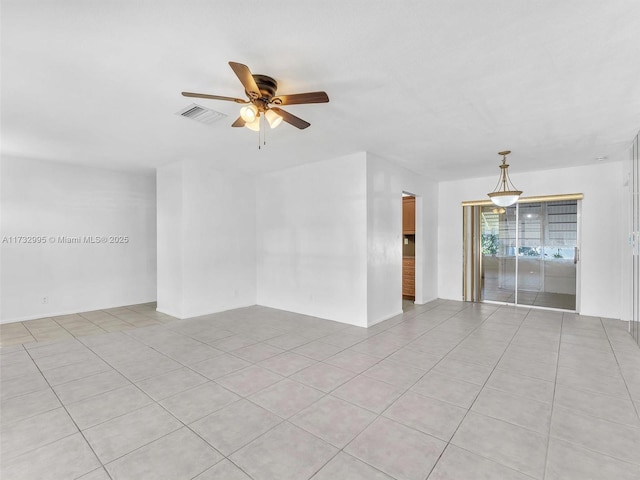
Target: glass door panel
548	237
498	238
530	253
561	255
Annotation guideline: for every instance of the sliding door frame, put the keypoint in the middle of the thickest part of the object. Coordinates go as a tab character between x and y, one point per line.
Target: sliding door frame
634	238
472	256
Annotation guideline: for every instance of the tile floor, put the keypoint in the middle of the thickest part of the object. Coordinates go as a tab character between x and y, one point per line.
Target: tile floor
448	390
492	292
81	324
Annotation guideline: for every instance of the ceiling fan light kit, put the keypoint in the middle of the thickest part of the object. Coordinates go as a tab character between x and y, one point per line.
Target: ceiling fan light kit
273	118
249	113
254	125
262	101
505	194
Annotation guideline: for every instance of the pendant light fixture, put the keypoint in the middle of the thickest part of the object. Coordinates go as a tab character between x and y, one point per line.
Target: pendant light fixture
505	193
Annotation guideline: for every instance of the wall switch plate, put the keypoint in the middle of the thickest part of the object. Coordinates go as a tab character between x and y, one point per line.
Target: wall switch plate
406	241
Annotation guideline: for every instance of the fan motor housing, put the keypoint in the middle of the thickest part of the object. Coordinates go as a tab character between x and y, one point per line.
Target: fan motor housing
267	85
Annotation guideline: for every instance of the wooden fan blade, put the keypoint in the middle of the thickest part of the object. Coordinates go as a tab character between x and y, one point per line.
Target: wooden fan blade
213	97
246	78
292	119
238	123
300	98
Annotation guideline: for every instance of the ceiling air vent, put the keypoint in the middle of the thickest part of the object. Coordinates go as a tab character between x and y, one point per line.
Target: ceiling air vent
201	114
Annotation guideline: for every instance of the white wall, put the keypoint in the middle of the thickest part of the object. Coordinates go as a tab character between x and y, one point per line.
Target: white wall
603	228
321	239
170	239
53	199
206	239
312	239
626	245
330	239
385	183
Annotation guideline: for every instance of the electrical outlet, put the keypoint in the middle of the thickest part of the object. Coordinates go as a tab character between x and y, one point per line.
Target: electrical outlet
406	241
45	299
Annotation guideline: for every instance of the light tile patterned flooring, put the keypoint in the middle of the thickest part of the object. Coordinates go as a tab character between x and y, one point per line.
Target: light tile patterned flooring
81	324
492	292
448	390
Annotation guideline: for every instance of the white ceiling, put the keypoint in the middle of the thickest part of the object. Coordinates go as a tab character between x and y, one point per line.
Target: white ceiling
440	87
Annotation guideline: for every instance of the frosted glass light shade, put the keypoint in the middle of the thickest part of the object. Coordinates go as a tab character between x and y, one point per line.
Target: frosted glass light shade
505	198
255	125
249	113
273	118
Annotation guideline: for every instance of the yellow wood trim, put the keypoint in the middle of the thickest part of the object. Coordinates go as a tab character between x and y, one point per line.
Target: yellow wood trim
539	198
472	252
478	254
464	254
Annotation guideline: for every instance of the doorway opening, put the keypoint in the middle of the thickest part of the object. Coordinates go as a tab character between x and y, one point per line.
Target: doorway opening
408	250
525	254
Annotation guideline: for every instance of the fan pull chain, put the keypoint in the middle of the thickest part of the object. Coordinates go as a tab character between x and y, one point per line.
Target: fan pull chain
264	134
259	128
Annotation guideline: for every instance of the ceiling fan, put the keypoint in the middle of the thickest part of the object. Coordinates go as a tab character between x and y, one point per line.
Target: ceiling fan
262	100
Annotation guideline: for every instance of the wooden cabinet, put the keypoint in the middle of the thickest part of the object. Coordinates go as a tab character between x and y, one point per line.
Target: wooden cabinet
409	277
408	262
408	215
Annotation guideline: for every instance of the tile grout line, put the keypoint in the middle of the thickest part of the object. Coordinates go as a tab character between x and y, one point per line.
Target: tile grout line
339	450
184	425
478	394
34	339
626	385
72	419
378	415
553	401
588	415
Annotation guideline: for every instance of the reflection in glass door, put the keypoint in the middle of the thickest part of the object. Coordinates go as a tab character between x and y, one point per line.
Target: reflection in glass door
498	241
547	256
529	254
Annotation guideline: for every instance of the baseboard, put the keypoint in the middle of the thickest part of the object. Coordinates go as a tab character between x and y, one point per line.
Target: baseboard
385	318
209	312
307	313
169	312
424	302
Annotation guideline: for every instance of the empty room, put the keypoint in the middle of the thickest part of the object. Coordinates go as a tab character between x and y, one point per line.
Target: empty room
357	240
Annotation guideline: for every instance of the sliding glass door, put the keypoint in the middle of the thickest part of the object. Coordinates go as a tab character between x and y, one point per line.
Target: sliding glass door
527	254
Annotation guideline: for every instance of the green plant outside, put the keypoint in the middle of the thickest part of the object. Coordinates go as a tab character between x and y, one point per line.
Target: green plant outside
489	243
